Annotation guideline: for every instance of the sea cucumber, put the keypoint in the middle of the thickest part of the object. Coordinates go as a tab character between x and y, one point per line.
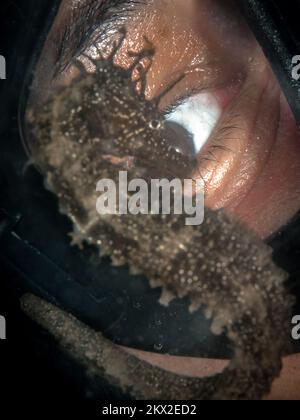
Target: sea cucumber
101	124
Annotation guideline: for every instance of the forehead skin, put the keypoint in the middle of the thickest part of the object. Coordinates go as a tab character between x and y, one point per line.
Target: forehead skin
190	31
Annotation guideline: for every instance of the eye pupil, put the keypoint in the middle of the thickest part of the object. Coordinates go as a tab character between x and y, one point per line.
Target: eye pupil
179	138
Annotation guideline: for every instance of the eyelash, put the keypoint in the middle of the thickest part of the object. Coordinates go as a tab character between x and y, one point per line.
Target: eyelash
94	17
222	134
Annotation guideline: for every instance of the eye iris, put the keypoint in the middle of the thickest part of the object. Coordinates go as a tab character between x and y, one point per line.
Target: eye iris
179	138
198	115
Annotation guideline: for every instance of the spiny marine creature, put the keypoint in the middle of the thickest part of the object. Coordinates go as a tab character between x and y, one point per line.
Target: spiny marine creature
102	124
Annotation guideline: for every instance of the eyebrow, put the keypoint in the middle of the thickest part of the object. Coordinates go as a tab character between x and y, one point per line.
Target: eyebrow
88	22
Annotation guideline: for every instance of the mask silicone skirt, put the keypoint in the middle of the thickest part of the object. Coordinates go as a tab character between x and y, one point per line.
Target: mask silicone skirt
108	114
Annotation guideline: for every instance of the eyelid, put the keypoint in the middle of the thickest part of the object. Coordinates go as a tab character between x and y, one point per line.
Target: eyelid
89	21
222	93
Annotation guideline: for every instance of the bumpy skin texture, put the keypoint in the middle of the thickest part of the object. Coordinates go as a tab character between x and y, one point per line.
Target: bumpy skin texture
100	125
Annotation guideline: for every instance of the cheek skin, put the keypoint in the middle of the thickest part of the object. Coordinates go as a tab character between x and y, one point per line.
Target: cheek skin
287	387
276	196
193	367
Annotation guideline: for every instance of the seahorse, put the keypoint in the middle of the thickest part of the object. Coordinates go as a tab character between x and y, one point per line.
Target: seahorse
103	123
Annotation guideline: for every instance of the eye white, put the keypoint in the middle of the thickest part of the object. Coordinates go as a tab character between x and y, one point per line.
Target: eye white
199	116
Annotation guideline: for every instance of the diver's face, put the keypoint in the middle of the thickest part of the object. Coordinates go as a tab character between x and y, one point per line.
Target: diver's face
245	136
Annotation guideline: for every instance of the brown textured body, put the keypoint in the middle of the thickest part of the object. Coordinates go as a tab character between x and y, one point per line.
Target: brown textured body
100	125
